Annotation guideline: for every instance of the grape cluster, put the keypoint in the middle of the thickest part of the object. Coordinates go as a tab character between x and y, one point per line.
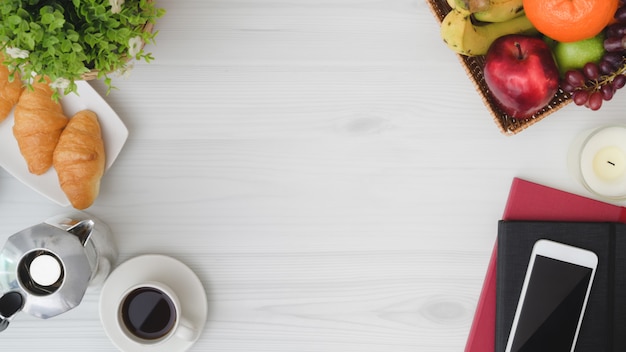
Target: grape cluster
598	82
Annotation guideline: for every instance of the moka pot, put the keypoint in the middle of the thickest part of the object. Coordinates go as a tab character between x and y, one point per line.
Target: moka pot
46	269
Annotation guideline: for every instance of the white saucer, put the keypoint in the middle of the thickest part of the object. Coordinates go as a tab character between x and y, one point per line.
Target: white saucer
159	268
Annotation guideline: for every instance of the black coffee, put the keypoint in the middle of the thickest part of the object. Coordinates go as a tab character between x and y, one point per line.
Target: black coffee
148	313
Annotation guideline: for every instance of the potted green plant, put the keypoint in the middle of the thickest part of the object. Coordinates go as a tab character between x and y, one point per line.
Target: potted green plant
69	40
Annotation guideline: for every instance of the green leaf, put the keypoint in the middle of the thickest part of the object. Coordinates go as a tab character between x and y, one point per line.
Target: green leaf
47	18
72	35
28	42
14	20
22	13
34	26
56	24
50	41
66	46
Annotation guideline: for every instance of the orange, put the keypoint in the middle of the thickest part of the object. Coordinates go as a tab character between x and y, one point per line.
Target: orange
570	20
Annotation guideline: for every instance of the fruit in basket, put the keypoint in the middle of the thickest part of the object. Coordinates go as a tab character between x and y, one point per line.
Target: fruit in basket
570	20
599	81
466	38
452	4
589	88
521	74
574	55
470	5
500	11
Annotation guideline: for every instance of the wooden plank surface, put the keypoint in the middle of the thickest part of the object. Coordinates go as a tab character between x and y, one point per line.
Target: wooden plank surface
325	167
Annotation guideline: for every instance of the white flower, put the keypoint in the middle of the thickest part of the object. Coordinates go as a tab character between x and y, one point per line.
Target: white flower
116	5
17	53
60	83
134	46
124	72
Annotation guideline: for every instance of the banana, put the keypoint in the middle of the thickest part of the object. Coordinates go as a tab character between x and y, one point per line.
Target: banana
501	11
453	4
471	5
466	38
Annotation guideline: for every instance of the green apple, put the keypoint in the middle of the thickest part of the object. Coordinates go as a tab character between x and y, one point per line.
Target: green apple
574	55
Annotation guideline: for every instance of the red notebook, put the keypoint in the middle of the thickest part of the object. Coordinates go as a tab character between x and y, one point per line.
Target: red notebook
532	201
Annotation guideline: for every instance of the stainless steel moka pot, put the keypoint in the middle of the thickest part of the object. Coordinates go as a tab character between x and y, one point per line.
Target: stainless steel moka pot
46	269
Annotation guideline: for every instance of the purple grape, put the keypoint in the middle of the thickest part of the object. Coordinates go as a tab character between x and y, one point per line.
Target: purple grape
595	101
605	67
619	82
613	58
610	62
591	71
580	97
614	44
575	78
607	91
620	14
567	87
616	30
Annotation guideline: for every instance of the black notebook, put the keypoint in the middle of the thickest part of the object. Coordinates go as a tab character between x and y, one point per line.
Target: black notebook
604	323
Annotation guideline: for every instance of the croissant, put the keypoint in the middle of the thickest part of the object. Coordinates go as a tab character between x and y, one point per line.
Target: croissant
79	159
38	123
9	91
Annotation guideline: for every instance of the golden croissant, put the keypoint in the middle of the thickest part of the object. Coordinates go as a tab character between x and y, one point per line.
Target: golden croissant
79	159
37	126
9	91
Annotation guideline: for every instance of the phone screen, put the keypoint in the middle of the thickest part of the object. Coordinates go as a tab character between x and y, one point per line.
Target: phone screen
552	306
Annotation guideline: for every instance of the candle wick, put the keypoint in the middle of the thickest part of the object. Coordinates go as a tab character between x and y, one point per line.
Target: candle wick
611	163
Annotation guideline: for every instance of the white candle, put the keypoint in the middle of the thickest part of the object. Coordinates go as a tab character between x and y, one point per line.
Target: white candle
602	163
608	164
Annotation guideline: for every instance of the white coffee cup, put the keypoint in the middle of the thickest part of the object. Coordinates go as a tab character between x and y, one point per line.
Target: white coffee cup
150	313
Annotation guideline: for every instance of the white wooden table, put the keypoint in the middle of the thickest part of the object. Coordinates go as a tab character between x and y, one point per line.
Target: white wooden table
325	167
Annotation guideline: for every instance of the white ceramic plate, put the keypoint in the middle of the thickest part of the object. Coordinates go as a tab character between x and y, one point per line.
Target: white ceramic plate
114	134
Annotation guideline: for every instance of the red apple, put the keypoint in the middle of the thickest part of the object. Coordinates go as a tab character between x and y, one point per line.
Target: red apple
521	74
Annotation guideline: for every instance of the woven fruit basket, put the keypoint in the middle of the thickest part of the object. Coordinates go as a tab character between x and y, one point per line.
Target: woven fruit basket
474	68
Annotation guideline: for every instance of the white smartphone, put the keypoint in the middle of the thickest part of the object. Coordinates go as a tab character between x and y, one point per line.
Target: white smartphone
553	299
